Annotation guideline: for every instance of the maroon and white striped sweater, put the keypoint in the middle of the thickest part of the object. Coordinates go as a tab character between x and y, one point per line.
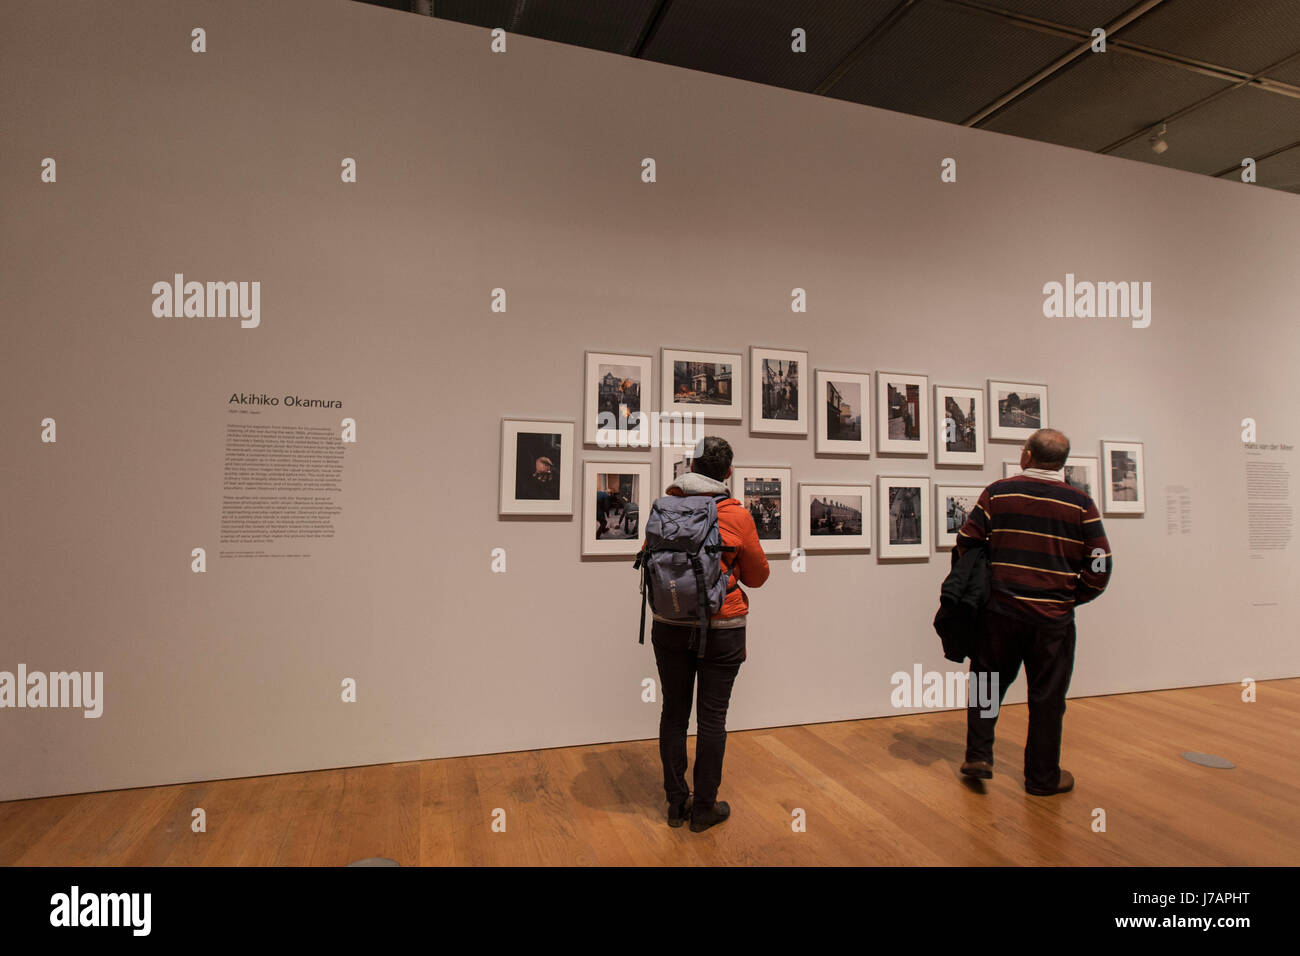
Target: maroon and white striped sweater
1047	549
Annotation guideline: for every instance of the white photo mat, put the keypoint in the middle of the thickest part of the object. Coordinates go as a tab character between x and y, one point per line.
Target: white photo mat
965	425
624	523
1123	478
717	394
757	499
617	434
1087	466
843	521
524	490
1021	417
911	413
778	383
946	525
851	392
903	503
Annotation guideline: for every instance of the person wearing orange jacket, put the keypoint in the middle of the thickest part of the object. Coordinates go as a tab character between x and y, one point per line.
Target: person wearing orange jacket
743	562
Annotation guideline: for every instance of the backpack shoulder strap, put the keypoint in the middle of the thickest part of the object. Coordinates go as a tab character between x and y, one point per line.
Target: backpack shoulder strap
728	551
642	564
645	589
717	548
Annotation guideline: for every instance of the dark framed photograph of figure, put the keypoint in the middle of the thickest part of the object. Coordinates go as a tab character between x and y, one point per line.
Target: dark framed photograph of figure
902	413
958	425
1080	471
843	401
537	463
765	494
703	383
1123	478
616	404
953	505
615	499
778	403
904	518
1016	410
674	461
835	517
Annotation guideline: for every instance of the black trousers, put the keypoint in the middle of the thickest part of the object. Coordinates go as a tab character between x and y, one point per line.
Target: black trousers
1048	656
676	656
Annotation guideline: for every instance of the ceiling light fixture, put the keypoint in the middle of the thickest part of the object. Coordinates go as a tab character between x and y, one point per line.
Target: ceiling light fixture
1158	143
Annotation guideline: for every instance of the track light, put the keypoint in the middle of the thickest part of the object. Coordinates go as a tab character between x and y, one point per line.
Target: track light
1158	143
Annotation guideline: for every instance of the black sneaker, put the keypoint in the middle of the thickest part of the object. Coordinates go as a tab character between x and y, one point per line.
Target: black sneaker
679	812
701	820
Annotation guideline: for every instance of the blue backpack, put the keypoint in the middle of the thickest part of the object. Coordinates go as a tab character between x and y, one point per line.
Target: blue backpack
681	562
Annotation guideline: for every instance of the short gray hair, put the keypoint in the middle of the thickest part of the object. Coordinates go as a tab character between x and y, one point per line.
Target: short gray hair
1049	448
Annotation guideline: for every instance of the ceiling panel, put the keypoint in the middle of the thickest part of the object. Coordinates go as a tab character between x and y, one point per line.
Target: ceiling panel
1245	122
1281	171
750	39
1080	14
1100	98
1240	34
1288	72
946	63
613	27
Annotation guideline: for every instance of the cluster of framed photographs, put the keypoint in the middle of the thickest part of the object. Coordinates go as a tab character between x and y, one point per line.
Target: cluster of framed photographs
539	458
787	397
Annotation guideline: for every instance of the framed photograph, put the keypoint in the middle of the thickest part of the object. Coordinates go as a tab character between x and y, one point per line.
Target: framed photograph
1016	410
953	504
843	401
1080	471
835	517
615	494
1124	477
537	465
674	461
616	404
707	383
958	425
902	413
904	516
778	382
765	493
1010	469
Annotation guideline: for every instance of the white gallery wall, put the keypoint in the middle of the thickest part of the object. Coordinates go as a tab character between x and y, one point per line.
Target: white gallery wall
522	171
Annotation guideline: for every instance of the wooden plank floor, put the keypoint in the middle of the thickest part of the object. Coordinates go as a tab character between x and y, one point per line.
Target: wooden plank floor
881	791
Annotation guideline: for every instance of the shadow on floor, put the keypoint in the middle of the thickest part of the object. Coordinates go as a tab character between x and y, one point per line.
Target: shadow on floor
636	786
926	750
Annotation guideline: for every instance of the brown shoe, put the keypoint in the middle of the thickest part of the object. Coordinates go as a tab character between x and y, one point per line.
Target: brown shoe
1065	786
701	820
681	812
978	768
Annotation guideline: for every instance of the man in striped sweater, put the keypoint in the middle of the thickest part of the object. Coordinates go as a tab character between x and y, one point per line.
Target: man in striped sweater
1047	554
